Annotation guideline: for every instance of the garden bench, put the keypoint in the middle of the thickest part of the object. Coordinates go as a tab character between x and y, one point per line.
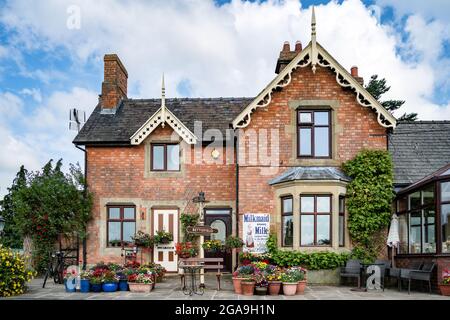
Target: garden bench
207	263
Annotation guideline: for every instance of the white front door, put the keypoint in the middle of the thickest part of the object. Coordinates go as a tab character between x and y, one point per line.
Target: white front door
164	254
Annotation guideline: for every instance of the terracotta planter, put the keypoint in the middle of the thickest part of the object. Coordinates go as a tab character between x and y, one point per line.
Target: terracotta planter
445	289
301	285
140	287
237	285
274	288
289	288
248	288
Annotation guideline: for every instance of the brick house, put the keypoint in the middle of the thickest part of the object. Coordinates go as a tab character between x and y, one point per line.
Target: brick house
278	153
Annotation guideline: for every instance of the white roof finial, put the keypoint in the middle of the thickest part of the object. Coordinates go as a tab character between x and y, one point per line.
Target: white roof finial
313	41
163	102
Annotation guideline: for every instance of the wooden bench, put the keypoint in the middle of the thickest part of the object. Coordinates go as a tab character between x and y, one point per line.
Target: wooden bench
208	264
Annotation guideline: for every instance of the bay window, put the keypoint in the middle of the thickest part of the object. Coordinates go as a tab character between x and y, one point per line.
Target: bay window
287	226
341	221
445	216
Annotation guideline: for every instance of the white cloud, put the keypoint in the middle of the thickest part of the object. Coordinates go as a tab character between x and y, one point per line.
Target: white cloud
35	93
11	106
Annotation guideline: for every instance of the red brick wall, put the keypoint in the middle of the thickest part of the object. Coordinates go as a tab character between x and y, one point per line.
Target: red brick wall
118	172
358	124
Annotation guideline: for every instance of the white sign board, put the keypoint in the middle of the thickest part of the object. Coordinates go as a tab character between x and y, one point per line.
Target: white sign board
256	229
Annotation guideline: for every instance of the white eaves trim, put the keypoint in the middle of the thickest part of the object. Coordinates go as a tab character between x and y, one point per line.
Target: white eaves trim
161	117
312	56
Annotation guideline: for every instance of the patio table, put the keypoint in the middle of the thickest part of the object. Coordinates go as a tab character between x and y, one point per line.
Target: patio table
362	286
192	271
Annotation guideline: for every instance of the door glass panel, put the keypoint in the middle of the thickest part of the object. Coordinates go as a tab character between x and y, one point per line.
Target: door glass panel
128	231
217	211
305	142
113	231
114	213
158	158
128	213
321	142
173	157
222	230
323	229
429	241
307	230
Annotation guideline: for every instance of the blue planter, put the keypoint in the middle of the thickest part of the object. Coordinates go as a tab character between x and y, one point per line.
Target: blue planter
84	285
70	285
123	285
96	287
110	286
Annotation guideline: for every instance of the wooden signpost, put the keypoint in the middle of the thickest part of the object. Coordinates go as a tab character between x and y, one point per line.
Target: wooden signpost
201	230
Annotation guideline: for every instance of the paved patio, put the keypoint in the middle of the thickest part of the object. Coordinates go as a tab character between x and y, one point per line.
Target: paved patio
169	289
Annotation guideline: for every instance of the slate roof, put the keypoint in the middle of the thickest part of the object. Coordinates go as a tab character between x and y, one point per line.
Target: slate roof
311	173
418	149
215	113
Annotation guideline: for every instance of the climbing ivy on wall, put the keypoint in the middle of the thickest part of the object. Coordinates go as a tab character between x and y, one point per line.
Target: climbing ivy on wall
188	220
369	199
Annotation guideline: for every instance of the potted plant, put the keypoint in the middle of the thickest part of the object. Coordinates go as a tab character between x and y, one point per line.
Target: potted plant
162	237
240	273
95	280
233	242
70	280
444	287
115	243
214	246
140	282
85	278
273	279
185	250
289	284
299	275
248	285
110	281
123	279
260	284
144	240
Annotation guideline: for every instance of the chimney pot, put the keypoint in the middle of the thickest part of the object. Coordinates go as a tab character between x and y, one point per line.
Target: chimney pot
298	46
286	46
354	71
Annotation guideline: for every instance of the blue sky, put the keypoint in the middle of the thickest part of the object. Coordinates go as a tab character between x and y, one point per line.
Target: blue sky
206	49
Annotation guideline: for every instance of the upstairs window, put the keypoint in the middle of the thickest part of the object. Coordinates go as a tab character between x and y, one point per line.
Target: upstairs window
165	157
313	134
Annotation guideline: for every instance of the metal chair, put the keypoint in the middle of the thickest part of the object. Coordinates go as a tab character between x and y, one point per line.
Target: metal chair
352	269
404	272
424	274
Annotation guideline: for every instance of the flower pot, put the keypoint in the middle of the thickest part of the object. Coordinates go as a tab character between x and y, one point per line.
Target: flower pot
110	286
70	285
261	291
123	285
96	287
274	288
140	287
248	288
289	288
84	285
237	285
445	289
301	285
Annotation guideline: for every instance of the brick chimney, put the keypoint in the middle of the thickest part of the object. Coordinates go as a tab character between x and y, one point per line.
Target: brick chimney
114	86
286	55
354	73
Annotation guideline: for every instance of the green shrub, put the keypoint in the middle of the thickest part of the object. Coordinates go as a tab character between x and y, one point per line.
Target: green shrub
13	274
309	260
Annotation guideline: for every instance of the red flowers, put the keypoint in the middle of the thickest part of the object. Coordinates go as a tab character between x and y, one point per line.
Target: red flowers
132	277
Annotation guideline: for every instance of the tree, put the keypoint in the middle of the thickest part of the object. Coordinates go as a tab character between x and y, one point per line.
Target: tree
11	238
51	204
377	87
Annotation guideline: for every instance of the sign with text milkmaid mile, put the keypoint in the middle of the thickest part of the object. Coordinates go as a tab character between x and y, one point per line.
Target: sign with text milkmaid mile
255	230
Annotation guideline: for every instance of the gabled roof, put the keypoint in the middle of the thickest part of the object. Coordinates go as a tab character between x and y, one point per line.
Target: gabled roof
314	54
118	128
419	149
311	173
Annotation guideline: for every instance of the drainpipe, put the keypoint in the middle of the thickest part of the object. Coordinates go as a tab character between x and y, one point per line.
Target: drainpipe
236	147
84	193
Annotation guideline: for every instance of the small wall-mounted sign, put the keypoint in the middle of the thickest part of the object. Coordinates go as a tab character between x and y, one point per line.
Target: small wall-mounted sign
201	230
